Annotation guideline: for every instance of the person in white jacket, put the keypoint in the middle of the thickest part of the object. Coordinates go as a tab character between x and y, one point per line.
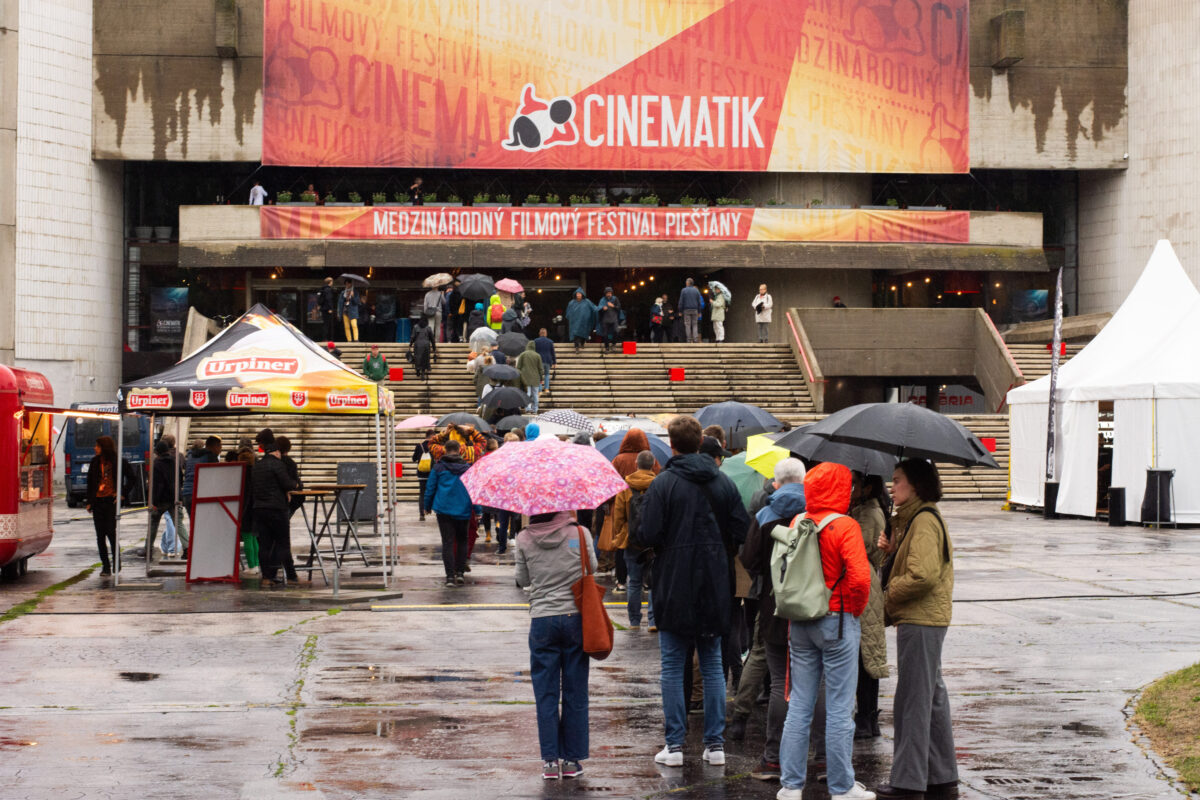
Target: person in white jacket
762	313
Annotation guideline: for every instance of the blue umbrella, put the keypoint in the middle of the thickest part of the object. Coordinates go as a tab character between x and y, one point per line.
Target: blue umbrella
609	446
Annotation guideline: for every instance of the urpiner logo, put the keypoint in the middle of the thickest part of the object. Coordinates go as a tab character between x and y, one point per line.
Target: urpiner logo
149	399
247	398
300	398
198	398
540	124
347	400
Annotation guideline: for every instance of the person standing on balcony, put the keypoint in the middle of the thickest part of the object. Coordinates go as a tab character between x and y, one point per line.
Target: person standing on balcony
762	304
257	194
691	302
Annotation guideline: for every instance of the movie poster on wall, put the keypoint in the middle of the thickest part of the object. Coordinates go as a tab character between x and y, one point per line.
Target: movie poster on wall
168	314
870	86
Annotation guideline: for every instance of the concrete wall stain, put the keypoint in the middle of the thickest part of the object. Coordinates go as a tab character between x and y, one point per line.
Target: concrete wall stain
1076	47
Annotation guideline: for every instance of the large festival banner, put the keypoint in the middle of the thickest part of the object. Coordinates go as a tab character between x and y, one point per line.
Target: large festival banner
783	85
626	223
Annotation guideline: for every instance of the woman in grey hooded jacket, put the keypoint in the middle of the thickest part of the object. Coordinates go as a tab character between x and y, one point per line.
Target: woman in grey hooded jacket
549	562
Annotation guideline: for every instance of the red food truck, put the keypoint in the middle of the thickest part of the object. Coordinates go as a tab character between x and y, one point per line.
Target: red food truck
26	488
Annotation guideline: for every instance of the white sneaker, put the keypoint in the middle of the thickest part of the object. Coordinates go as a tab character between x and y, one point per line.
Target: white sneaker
666	757
857	792
789	794
714	757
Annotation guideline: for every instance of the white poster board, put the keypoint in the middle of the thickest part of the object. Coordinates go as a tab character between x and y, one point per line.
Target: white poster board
216	521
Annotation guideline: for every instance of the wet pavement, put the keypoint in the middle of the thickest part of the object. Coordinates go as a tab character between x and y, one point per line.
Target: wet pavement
228	692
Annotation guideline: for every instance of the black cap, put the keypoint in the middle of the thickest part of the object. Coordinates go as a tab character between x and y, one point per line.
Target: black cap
711	447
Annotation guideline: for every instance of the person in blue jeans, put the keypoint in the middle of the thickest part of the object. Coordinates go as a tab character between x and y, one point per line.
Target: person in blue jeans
545	348
828	647
693	518
549	560
626	517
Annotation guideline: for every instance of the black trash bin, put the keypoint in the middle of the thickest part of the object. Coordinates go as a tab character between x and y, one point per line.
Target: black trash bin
1051	501
1157	507
1116	507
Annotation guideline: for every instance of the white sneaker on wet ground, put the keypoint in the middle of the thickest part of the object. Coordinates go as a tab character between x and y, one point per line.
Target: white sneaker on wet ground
671	756
714	754
857	792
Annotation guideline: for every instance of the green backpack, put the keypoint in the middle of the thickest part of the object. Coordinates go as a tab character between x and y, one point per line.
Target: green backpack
796	573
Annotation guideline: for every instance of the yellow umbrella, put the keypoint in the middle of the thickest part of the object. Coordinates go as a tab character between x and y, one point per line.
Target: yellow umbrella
762	454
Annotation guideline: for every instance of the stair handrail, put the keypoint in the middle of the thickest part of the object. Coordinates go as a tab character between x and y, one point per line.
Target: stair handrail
806	357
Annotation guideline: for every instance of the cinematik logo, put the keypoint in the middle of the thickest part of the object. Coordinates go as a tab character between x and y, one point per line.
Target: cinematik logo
198	399
539	124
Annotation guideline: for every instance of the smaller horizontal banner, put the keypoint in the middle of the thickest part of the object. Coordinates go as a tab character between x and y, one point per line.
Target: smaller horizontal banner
615	224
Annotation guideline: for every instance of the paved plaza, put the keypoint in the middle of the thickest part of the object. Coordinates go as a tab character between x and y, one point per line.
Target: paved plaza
216	692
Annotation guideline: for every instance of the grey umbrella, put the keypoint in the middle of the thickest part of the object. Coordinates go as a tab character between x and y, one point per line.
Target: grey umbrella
739	421
512	344
464	418
512	422
506	397
476	287
350	276
817	448
906	431
502	372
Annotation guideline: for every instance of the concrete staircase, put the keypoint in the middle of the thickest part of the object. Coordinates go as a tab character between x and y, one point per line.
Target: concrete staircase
1034	359
591	383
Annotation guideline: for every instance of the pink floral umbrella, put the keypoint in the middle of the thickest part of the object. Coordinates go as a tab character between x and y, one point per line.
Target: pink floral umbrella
542	476
416	423
509	285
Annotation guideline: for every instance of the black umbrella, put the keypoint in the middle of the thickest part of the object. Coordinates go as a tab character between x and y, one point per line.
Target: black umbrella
739	421
476	287
512	422
502	372
906	431
350	276
817	448
506	397
512	344
464	418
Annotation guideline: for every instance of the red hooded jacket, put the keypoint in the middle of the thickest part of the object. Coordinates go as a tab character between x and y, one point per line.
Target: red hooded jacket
634	442
827	491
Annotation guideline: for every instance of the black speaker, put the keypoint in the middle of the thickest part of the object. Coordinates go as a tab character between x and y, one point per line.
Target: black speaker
1156	503
1116	507
1051	500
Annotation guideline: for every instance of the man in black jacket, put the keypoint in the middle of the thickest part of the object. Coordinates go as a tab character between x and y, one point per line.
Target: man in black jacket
692	517
327	305
271	484
162	495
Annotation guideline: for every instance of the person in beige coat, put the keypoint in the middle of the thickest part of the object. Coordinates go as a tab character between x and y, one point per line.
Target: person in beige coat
868	505
918	600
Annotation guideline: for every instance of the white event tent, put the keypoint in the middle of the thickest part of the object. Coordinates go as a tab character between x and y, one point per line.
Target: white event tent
1145	362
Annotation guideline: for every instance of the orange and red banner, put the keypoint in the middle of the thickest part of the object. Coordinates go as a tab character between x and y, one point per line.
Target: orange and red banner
623	223
745	85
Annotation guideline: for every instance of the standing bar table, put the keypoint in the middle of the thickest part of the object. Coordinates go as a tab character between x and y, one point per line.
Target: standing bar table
340	490
314	532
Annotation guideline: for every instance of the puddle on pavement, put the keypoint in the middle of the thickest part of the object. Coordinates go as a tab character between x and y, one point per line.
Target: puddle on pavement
138	677
372	673
1082	729
8	743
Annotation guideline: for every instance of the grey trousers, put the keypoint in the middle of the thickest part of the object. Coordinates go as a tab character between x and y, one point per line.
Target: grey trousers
752	677
691	324
764	331
924	744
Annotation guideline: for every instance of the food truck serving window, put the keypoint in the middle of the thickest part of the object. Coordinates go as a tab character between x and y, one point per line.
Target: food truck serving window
35	456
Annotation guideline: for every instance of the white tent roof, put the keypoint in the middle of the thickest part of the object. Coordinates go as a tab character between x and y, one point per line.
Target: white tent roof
1147	350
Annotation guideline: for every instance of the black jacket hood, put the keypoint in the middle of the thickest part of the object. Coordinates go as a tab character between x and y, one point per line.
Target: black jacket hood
695	467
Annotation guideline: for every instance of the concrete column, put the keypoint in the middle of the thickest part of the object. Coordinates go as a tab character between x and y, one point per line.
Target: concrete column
8	180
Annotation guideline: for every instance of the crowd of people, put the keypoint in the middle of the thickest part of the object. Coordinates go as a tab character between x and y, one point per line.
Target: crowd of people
681	538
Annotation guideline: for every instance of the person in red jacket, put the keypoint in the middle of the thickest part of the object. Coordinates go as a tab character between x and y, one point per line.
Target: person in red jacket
828	646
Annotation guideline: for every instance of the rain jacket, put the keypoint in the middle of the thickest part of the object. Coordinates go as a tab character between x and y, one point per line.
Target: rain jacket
197	455
635	441
639	480
548	559
581	316
531	366
920	588
164	481
545	348
694	543
827	491
765	301
375	368
476	319
609	308
780	507
870	518
349	307
444	490
511	321
493	302
270	483
718	306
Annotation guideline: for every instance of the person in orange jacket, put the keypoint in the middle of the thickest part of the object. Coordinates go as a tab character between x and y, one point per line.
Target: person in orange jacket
828	646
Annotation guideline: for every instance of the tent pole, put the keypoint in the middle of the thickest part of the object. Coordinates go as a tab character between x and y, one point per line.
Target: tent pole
175	518
378	471
117	525
149	492
391	497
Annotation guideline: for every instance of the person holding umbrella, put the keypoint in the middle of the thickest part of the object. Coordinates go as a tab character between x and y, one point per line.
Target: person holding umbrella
349	302
720	303
581	318
918	600
446	496
431	307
